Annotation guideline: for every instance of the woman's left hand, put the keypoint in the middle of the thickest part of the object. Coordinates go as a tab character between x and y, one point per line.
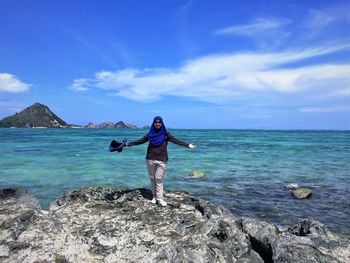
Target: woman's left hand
192	146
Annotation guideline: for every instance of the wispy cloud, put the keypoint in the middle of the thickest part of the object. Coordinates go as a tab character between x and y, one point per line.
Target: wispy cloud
324	25
329	109
318	20
184	9
227	77
10	83
345	91
266	33
317	26
257	27
80	85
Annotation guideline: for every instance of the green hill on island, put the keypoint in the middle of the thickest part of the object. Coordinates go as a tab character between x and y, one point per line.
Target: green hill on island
37	115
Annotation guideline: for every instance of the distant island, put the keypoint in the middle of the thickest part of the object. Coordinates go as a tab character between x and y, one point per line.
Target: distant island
40	116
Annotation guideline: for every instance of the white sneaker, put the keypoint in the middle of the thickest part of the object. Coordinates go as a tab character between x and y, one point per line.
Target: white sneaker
162	202
154	200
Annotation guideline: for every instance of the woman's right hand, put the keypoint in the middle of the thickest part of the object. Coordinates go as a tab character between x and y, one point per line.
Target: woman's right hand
192	146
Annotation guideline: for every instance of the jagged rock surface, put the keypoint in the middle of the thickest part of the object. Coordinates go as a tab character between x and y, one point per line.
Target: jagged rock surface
114	225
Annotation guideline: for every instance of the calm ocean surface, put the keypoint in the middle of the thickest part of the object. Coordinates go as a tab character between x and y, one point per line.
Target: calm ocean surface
245	170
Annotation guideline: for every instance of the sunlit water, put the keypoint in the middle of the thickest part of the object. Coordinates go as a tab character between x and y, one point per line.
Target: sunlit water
245	170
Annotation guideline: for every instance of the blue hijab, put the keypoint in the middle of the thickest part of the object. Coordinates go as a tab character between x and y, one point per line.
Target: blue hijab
157	136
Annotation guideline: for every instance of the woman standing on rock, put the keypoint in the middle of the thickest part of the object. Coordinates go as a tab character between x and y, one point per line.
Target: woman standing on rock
157	156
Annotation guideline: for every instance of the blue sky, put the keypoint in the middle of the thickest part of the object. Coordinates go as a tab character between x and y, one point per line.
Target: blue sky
198	64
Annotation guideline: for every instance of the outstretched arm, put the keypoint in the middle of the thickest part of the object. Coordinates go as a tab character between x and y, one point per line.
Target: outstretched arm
139	141
179	142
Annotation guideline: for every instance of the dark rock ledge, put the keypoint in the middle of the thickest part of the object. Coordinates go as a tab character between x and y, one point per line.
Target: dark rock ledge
114	225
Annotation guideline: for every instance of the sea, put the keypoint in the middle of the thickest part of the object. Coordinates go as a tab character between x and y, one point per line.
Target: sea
245	170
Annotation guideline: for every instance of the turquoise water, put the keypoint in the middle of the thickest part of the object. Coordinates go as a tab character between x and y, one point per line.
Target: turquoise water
245	169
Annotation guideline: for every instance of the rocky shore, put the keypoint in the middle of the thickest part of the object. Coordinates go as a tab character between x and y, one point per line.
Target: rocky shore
115	225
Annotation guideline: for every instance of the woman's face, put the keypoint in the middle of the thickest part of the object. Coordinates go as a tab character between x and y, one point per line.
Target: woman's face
157	124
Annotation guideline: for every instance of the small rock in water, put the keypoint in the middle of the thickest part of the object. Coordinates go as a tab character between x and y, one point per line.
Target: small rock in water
196	174
302	193
291	186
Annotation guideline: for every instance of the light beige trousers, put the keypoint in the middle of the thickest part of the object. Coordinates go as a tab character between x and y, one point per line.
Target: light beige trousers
156	170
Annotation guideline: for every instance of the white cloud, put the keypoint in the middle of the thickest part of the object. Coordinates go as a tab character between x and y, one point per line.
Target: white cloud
10	83
220	78
333	77
259	26
80	85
